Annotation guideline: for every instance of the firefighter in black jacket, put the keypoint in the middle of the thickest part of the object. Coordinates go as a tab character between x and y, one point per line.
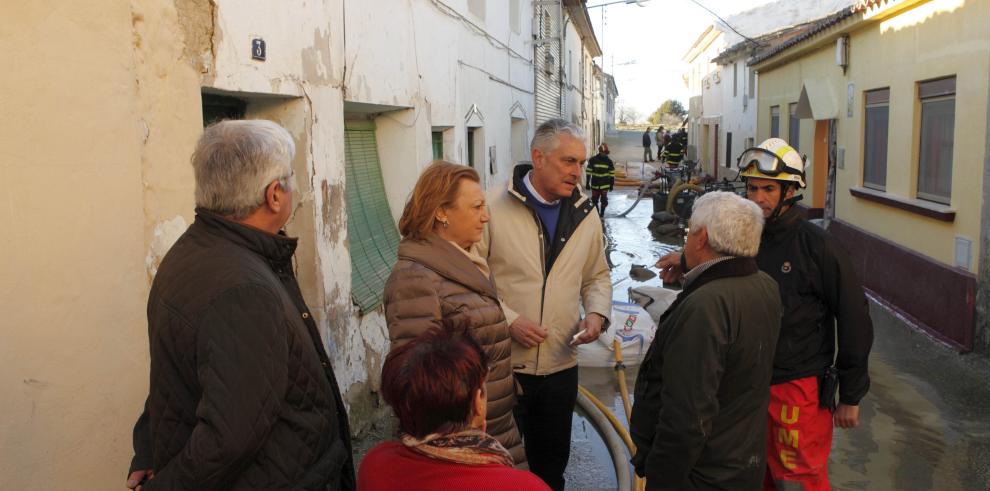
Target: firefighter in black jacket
674	151
826	332
601	178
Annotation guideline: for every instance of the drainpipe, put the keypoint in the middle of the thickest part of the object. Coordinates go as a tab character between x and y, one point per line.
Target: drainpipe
563	49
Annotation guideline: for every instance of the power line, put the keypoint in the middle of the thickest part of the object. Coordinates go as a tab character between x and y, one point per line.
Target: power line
696	2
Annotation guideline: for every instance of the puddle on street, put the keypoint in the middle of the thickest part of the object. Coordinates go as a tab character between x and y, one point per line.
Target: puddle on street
629	242
919	428
590	467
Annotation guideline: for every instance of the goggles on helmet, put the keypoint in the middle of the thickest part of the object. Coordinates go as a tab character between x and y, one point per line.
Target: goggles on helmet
765	161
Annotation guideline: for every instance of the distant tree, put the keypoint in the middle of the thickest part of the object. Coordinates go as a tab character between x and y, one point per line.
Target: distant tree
671	106
670	114
655	118
627	114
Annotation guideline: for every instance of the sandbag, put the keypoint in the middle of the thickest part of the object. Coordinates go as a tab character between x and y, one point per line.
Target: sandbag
654	299
632	326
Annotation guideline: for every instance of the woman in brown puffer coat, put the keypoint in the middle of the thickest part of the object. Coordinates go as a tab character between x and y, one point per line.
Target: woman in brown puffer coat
438	278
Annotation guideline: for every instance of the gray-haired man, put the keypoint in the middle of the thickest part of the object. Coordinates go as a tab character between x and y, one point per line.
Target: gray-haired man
699	420
242	394
545	248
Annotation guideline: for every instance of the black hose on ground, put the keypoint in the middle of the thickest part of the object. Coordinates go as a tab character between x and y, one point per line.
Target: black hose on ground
642	192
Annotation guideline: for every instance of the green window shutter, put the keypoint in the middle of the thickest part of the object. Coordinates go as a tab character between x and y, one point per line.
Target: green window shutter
374	240
437	145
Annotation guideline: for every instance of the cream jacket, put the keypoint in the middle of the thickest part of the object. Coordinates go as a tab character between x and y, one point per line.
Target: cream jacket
516	249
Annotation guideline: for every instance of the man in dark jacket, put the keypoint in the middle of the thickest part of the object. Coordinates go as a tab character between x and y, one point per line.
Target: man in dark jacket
647	147
703	388
242	394
826	332
601	178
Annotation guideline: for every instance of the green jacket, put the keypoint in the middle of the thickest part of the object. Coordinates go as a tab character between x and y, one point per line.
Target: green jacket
699	421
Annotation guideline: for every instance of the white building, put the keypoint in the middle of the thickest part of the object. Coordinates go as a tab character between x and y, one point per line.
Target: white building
611	94
565	48
370	90
722	109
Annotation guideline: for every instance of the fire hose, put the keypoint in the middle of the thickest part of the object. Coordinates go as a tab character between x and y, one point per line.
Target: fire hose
611	429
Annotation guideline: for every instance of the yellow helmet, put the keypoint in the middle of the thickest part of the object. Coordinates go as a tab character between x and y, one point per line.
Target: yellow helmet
773	159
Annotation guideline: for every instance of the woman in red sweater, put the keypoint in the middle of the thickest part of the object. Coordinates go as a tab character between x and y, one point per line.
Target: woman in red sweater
436	386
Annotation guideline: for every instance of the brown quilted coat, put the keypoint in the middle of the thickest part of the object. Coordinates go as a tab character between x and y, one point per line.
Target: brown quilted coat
432	281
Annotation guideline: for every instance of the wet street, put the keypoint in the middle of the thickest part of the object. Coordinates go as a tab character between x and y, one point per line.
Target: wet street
590	467
925	423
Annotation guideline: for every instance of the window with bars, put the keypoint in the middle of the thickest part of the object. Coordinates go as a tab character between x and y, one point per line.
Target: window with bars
938	112
877	118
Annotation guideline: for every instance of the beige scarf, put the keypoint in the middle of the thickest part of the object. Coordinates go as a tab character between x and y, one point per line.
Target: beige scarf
472	447
478	261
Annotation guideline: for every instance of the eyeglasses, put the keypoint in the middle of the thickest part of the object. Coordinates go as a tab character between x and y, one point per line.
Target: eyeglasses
765	161
288	182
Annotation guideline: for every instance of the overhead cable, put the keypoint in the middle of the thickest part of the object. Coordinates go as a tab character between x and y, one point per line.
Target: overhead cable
725	22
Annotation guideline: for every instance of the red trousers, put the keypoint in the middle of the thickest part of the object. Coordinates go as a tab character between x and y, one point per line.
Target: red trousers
799	438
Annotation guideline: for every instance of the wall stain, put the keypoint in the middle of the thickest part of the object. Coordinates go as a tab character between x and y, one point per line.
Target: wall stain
316	60
197	21
36	384
332	211
136	21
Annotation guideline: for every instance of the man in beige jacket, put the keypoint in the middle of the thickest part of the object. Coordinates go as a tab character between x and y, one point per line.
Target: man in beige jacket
545	248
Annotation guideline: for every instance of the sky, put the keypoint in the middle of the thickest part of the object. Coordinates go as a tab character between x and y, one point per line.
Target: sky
643	46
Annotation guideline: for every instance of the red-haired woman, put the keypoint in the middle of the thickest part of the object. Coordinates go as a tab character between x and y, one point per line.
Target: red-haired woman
439	277
436	386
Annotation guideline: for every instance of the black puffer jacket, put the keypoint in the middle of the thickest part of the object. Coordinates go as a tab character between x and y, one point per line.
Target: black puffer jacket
242	394
699	421
822	296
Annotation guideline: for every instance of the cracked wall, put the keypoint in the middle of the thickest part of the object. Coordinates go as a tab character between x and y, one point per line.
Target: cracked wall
99	186
113	161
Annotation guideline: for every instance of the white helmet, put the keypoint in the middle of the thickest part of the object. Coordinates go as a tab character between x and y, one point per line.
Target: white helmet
773	159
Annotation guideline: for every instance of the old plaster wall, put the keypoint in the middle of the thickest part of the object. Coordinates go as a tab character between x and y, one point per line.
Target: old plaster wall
435	61
96	185
300	85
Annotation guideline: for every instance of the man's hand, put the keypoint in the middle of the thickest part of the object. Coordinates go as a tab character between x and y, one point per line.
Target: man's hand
592	326
134	480
670	268
527	332
846	416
